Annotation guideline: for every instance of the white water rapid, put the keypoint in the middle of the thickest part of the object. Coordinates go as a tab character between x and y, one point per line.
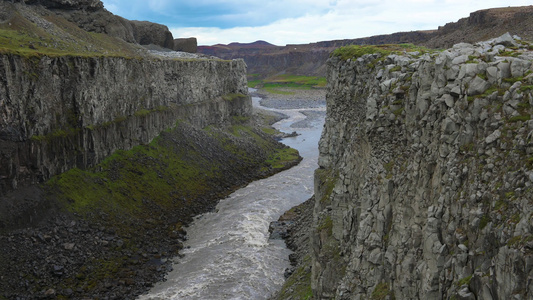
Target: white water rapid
228	254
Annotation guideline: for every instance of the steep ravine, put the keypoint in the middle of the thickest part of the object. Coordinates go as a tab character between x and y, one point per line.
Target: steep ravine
425	185
105	160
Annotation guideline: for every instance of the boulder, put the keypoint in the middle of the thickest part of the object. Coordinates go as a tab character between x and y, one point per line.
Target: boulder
186	45
147	33
505	40
477	86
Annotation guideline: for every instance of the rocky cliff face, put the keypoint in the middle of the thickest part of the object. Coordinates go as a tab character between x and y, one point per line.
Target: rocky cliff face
267	59
425	184
64	112
482	25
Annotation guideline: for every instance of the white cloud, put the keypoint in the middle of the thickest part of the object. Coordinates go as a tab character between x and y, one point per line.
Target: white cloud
305	21
158	5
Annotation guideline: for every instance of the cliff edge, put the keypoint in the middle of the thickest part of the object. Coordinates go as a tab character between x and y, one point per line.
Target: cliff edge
425	183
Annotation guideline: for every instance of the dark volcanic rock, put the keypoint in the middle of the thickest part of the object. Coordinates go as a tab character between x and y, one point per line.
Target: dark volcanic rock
147	33
69	4
186	45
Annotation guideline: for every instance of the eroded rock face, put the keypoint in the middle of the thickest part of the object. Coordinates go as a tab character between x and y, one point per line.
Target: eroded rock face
64	112
425	182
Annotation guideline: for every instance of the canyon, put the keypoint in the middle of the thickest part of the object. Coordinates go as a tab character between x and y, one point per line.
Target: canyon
108	150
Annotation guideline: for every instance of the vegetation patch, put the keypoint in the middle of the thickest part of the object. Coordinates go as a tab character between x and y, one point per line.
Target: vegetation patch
142	113
278	158
389	168
520	118
282	158
276	84
382	291
233	96
121	182
519	241
526	88
327	183
485	219
464	281
356	51
59	133
253	80
327	225
22	37
298	285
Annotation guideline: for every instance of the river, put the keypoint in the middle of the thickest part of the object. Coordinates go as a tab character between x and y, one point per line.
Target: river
228	254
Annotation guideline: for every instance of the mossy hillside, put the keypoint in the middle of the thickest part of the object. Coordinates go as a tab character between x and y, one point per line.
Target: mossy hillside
276	158
23	37
171	171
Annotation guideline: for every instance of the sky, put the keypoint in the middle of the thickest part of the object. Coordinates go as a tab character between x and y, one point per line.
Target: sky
282	22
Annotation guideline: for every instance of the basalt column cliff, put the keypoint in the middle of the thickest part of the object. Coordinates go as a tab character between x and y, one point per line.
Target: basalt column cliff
65	112
425	185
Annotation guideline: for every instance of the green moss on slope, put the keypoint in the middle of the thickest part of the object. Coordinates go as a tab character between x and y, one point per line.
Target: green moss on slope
298	285
20	36
172	171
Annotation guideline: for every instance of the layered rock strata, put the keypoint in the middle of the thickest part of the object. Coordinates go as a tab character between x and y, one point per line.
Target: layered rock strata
63	112
425	184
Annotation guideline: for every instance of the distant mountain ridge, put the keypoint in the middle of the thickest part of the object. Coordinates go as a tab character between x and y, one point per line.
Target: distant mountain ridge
309	59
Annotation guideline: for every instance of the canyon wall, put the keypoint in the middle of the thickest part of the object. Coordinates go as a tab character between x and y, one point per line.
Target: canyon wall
308	62
265	59
63	112
425	183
